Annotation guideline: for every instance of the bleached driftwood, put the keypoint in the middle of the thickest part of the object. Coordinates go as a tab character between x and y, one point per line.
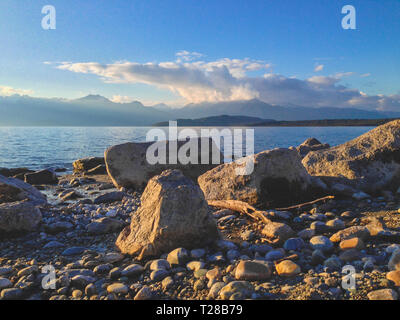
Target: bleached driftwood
241	207
298	206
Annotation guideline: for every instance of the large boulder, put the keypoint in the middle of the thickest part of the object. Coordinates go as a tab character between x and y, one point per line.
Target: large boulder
173	213
86	164
370	162
19	216
278	179
12	190
128	166
311	144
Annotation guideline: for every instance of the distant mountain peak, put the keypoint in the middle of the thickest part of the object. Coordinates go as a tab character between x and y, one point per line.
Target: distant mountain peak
94	98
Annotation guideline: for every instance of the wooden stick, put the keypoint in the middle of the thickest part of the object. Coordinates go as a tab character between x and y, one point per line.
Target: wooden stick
305	204
241	207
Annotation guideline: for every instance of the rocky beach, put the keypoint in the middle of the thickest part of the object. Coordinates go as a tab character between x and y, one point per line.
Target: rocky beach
118	228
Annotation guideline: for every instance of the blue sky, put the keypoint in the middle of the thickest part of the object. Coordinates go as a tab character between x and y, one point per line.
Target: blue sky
290	37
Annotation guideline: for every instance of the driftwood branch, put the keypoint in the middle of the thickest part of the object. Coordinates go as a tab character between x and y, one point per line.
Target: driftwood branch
246	209
241	207
298	206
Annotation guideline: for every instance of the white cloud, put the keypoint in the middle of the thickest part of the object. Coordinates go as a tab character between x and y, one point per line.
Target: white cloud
365	75
9	91
188	56
229	79
319	68
122	99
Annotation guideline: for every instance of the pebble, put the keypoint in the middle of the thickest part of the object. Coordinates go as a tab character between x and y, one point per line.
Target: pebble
167	283
383	294
294	244
11	294
178	256
73	251
5	283
394	276
158	275
350	255
195	265
27	271
197	253
394	262
5	270
160	264
243	288
215	289
336	224
117	288
132	270
275	255
113	257
90	290
306	233
287	268
144	294
321	243
351	232
77	294
333	263
278	230
353	243
252	271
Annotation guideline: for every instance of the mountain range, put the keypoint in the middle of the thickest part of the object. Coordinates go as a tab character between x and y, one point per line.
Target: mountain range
96	110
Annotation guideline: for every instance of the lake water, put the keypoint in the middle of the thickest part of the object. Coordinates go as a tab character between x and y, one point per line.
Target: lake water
40	148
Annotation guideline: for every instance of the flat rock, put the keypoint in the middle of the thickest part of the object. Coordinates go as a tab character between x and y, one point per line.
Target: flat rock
252	271
12	190
109	197
383	294
105	225
353	243
351	232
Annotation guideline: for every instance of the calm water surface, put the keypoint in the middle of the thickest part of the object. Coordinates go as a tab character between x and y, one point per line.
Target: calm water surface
49	147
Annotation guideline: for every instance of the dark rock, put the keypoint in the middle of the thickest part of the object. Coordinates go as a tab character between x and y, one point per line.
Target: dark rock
41	177
109	197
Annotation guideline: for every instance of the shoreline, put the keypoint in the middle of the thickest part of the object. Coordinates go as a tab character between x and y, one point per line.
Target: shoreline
64	242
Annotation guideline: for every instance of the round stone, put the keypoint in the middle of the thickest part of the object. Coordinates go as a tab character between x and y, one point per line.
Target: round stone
117	288
77	294
293	244
321	243
287	268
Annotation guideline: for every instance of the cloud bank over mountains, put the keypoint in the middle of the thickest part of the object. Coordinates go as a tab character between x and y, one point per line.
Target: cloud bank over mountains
197	81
